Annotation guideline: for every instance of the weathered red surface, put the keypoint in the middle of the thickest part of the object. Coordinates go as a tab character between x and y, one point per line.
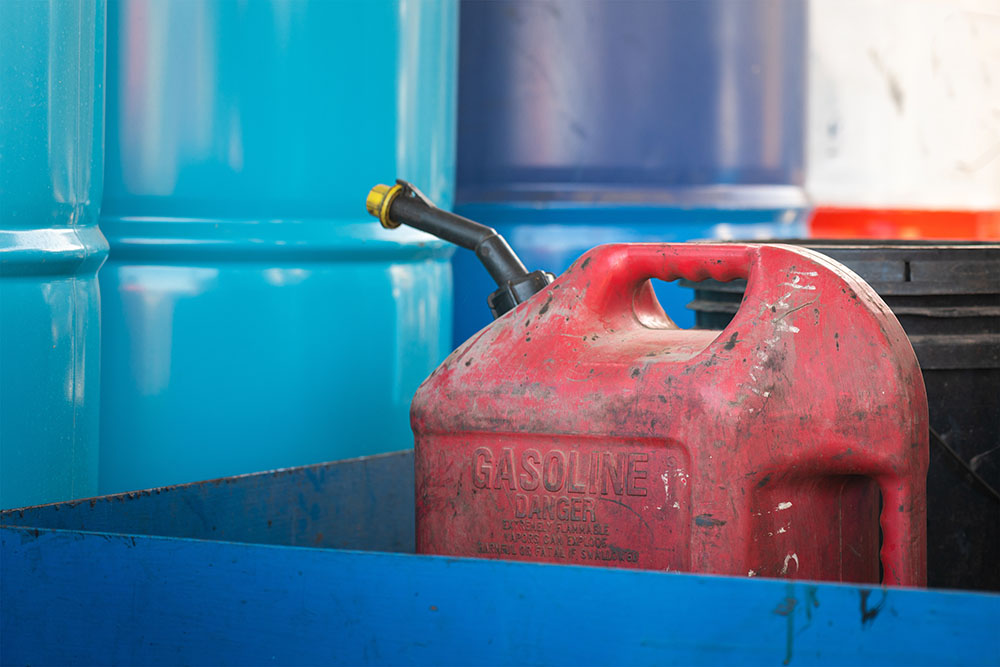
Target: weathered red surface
583	427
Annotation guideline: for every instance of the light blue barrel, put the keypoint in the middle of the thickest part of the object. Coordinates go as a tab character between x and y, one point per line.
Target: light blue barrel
625	121
51	170
255	317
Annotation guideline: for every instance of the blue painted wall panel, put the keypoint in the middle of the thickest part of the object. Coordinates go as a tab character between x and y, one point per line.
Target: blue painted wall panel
365	503
92	598
90	583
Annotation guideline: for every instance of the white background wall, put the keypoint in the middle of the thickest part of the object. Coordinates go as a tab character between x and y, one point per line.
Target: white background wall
905	103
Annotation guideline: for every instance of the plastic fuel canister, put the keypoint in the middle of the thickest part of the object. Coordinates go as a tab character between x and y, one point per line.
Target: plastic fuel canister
584	427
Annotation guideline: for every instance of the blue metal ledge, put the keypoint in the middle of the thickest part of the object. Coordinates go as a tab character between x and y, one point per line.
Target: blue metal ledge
80	584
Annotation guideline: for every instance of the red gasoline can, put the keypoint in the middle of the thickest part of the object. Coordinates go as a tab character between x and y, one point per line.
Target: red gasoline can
583	427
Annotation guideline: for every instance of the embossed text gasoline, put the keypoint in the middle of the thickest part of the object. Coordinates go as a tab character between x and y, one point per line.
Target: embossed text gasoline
594	473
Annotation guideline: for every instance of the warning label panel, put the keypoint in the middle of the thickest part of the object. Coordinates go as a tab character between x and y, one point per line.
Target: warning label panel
599	505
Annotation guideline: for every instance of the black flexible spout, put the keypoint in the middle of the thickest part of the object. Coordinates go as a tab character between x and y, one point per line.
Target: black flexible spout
491	248
404	204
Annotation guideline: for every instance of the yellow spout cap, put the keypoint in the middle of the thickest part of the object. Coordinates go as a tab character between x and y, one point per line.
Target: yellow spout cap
379	202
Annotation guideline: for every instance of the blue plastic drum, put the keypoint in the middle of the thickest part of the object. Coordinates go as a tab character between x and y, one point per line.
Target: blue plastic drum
51	168
627	120
255	317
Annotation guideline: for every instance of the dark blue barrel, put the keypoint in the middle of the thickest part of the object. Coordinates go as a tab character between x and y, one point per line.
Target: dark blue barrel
618	120
255	316
51	170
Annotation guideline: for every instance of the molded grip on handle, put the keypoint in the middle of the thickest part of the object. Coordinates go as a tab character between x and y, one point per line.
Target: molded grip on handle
904	540
618	270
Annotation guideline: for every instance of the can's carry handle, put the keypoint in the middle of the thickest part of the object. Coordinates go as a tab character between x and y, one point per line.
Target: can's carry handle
621	269
611	280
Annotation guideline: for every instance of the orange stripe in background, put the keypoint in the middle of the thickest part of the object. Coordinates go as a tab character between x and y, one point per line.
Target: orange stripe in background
862	223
